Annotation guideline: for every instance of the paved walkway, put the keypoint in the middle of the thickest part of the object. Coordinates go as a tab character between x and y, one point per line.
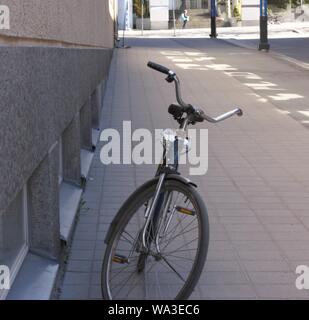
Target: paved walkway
289	39
257	185
274	30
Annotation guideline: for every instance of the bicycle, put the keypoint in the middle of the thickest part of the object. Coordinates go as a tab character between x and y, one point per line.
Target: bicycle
157	243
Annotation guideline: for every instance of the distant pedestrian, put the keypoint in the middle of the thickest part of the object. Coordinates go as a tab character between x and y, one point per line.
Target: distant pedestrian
185	18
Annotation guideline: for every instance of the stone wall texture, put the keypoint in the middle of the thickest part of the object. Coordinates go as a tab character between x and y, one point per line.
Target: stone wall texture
41	90
78	22
52	59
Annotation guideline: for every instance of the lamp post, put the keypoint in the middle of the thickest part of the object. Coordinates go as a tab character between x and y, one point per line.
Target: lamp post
263	45
213	16
174	18
116	27
142	17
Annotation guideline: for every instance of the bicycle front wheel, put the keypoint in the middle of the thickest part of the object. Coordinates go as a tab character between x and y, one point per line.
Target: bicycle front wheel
177	243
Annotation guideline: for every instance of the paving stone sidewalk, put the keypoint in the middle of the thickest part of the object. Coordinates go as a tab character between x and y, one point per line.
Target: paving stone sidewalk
256	188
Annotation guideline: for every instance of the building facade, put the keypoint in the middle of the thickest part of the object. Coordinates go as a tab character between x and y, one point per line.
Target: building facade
54	63
157	13
192	4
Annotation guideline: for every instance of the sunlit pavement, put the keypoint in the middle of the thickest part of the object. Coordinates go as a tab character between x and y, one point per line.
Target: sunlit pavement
290	40
257	185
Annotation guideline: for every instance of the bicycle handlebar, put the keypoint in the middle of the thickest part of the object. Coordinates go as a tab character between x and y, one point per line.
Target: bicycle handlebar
159	68
224	116
185	107
177	112
171	77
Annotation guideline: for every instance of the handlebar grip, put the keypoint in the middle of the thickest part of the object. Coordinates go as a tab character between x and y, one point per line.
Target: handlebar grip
158	67
240	113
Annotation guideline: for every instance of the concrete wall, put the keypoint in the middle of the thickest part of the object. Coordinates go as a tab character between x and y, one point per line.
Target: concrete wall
41	90
81	22
54	63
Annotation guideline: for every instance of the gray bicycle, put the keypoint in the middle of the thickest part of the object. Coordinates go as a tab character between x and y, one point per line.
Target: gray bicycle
157	244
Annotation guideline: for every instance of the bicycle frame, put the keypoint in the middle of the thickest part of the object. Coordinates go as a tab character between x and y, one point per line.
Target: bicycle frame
163	171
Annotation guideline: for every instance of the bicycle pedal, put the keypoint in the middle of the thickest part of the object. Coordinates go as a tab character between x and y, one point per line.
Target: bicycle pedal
185	211
120	259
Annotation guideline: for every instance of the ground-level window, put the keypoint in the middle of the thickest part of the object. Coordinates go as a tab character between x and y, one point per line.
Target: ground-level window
14	236
60	179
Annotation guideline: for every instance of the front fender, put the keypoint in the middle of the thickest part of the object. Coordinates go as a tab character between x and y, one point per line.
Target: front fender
181	179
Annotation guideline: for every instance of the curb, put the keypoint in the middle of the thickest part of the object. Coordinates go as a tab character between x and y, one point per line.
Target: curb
274	54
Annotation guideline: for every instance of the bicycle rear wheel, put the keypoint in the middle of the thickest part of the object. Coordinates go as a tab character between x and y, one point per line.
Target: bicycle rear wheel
180	233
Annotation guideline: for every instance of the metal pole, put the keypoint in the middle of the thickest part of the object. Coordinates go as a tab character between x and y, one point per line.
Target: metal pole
229	13
213	23
263	45
124	27
116	27
142	17
174	18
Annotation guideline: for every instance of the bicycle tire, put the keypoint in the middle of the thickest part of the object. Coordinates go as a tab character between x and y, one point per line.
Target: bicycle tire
128	210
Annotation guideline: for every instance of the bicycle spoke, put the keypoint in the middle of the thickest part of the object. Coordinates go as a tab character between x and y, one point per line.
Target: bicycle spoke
129	236
172	239
178	274
178	257
177	250
179	222
125	283
190	242
120	271
178	235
